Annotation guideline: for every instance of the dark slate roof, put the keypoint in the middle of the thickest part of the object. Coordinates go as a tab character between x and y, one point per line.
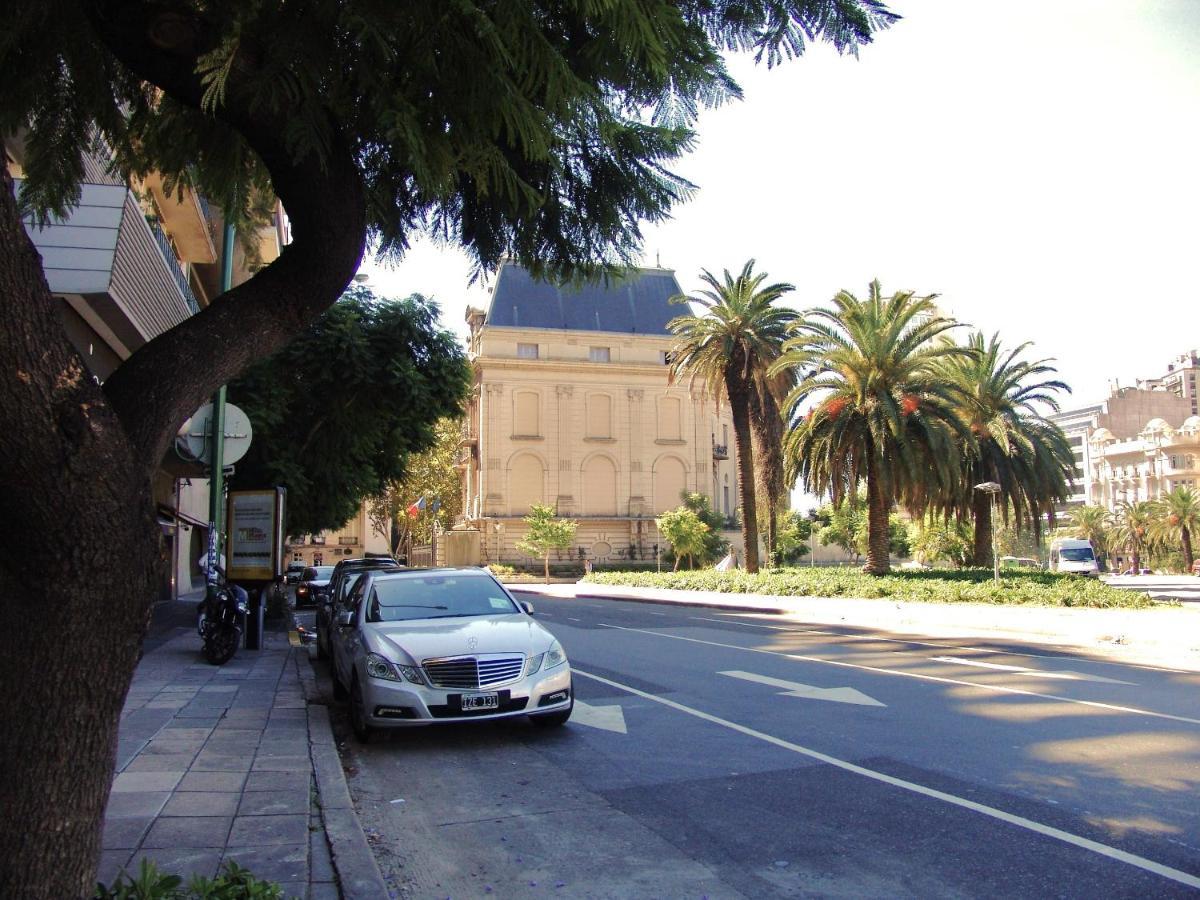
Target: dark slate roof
636	303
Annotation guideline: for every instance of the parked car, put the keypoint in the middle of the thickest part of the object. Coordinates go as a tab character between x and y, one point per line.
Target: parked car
1019	562
314	583
293	572
426	646
344	574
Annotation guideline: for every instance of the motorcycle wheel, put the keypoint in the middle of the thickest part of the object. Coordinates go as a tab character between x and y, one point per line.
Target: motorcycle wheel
221	644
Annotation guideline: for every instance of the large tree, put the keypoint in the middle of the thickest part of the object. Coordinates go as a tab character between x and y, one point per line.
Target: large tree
1178	521
1133	529
726	350
885	413
543	130
1014	445
341	410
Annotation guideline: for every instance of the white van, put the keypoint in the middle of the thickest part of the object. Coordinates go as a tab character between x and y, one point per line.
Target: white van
1073	555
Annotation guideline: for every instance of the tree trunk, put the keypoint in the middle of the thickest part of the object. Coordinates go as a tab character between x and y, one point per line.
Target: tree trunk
981	509
1188	558
76	463
739	408
547	567
878	534
75	589
766	433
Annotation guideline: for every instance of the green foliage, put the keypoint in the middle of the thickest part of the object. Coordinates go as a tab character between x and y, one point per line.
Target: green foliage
548	137
1014	445
794	535
1176	523
933	540
885	412
546	533
430	474
1091	523
1017	587
340	411
848	526
150	883
685	531
715	546
726	350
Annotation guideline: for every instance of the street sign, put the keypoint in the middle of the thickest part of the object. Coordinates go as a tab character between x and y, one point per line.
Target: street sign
194	440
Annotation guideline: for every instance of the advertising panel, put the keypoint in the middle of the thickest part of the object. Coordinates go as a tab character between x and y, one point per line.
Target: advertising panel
254	534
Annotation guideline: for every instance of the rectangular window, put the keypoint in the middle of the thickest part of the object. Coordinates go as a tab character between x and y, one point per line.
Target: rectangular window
598	354
664	357
527	351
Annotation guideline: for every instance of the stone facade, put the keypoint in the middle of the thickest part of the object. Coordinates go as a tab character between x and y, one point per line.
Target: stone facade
583	418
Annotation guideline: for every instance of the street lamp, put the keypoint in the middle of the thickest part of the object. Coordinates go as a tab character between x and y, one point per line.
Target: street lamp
993	488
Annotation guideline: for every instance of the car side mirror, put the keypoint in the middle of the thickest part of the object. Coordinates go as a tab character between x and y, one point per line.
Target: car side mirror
345	618
527	606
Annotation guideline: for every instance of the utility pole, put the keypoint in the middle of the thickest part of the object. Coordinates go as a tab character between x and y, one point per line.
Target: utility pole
216	482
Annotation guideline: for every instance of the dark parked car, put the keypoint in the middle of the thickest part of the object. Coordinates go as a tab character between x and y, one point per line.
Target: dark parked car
344	574
293	572
314	584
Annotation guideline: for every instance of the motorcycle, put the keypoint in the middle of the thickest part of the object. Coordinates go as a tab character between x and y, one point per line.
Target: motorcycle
220	623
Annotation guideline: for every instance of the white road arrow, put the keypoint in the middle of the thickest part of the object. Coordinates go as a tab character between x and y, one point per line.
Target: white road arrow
608	718
1033	673
807	691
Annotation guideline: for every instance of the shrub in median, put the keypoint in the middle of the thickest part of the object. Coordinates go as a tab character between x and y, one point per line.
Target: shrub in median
929	586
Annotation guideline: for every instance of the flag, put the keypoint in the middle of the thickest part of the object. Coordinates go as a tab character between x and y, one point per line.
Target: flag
416	508
435	506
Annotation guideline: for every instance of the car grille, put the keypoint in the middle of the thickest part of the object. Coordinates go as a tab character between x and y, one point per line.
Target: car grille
474	672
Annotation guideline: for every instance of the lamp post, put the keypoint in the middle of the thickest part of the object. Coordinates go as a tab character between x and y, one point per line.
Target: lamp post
993	488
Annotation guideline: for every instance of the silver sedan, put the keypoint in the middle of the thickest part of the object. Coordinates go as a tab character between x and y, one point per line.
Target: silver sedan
424	646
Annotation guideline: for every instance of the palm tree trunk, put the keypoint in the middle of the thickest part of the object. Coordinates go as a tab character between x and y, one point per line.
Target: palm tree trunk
739	407
981	509
878	559
547	567
1188	558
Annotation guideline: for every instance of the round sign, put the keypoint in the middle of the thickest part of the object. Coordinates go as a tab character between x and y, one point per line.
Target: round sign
194	440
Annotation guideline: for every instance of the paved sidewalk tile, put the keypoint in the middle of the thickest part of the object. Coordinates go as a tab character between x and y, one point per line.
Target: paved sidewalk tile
214	766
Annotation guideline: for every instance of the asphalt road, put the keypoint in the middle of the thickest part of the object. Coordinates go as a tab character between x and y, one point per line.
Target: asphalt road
730	755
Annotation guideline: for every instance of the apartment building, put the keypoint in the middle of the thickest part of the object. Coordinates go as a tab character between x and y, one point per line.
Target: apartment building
129	262
572	407
1180	379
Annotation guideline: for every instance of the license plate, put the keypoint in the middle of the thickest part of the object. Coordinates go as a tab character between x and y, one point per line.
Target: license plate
480	701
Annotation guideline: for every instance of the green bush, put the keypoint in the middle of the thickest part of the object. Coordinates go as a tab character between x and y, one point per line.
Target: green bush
1023	588
233	883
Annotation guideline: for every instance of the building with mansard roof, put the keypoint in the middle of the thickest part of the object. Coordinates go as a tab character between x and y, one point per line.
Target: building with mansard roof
572	407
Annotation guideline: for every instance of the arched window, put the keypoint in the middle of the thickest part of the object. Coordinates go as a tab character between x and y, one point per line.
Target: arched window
526	483
599	416
599	487
670	481
526	421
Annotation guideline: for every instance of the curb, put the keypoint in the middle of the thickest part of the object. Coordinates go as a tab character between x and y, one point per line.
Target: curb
357	872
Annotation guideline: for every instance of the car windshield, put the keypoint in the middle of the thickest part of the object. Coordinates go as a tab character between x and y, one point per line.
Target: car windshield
317	573
1077	554
437	597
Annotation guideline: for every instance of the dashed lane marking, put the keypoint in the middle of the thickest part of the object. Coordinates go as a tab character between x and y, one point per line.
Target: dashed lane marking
1057	834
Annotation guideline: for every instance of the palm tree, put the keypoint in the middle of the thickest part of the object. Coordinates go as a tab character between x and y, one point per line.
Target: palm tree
767	433
1015	446
1092	523
886	412
1134	529
1178	519
725	349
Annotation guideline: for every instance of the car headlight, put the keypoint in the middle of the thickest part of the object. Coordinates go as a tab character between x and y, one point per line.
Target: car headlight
378	667
555	656
412	673
534	663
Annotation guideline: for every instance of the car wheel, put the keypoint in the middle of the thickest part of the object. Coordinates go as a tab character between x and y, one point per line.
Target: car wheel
358	714
339	692
554	719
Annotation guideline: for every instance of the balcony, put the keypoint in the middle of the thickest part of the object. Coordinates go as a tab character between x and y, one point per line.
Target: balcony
720	451
348	541
468	437
115	269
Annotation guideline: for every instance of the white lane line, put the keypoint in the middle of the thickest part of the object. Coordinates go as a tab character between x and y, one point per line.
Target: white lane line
943	645
1058	834
573	619
1023	670
921	677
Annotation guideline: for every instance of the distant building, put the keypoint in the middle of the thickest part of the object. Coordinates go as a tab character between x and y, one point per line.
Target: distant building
1180	379
571	408
1137	444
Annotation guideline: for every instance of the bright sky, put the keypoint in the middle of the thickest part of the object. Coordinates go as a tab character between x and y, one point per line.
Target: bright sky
1034	163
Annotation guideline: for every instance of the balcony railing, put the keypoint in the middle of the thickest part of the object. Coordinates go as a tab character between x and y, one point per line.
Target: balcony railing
348	540
169	257
720	451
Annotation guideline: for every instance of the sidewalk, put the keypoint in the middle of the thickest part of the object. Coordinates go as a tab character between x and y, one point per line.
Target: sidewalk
215	763
1163	637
